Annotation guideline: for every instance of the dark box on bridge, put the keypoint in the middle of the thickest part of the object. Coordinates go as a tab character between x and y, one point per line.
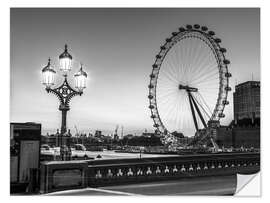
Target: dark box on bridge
63	175
24	156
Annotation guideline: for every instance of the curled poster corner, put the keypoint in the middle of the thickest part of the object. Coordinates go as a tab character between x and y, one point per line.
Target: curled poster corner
248	185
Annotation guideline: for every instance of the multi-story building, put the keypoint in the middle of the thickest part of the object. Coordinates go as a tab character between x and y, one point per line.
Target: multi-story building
246	128
247	101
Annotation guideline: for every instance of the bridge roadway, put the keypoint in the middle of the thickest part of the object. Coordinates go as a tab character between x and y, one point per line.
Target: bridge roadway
221	185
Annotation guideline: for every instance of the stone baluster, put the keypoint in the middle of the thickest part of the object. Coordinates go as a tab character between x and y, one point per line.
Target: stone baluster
190	167
183	169
139	172
148	172
158	171
198	167
120	173
130	172
109	174
166	169
175	170
98	174
205	166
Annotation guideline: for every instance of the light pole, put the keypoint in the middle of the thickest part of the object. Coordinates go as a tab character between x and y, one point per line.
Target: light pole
64	92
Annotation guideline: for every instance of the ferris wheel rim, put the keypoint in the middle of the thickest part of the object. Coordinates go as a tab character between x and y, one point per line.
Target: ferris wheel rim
222	62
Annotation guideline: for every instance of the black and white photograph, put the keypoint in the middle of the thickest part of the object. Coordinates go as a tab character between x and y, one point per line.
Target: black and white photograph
134	101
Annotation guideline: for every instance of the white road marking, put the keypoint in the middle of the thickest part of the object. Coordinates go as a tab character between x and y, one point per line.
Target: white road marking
114	192
76	191
214	192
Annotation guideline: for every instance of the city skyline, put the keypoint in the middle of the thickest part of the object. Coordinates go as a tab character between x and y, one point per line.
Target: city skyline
117	48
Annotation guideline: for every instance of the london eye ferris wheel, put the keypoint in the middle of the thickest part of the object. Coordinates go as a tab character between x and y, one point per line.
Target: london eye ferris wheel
189	82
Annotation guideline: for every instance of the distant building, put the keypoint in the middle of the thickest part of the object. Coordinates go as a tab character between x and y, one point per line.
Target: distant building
146	134
128	136
245	130
178	134
115	137
246	100
185	140
246	137
54	140
224	136
98	133
238	137
50	140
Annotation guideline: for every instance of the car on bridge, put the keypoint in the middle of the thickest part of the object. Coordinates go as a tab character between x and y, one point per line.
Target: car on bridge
46	150
79	151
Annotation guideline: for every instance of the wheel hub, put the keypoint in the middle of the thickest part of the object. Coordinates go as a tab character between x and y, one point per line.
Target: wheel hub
187	88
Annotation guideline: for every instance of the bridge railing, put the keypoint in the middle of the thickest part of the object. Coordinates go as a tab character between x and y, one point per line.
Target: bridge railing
110	172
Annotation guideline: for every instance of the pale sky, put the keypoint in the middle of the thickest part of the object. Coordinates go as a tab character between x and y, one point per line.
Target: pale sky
117	48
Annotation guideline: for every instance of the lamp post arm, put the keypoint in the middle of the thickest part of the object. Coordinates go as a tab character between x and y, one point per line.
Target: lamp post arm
64	93
56	93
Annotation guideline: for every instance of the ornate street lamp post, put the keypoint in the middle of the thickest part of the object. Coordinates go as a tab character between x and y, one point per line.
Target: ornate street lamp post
64	92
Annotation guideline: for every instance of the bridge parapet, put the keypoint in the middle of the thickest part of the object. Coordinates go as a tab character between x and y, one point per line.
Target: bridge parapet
153	169
59	175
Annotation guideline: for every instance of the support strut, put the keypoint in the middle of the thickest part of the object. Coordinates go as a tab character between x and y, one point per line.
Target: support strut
192	110
198	111
192	102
